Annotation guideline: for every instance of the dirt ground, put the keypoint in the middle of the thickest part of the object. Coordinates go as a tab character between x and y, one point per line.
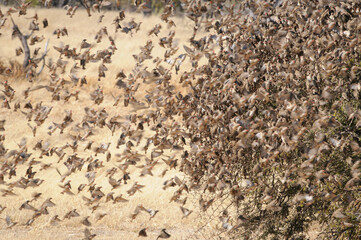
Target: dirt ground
117	224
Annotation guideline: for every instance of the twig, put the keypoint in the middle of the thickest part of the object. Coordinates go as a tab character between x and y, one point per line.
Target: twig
24	42
43	57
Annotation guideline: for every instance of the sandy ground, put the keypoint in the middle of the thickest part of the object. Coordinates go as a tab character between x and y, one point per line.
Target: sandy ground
117	224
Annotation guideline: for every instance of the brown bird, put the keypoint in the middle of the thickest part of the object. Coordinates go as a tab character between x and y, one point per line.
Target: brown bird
152	212
99	216
81	187
71	213
55	220
164	234
2	124
6	104
9	222
136	187
114	183
33	129
47	203
137	211
35	196
34	26
155	30
19	51
2	209
120	199
86	221
88	235
84	44
27	206
142	233
186	212
61	32
100	18
45	23
338	214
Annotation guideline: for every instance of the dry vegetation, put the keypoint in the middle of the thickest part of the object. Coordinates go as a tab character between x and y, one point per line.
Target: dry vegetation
258	129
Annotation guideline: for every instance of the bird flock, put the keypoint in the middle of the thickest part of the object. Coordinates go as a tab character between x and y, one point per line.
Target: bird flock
267	114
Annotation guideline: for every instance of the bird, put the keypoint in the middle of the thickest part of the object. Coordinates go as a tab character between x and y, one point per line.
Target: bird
224	219
338	214
71	213
45	23
48	203
262	86
2	209
101	18
114	183
136	187
137	211
88	235
164	234
100	216
186	212
84	44
19	51
86	221
27	206
34	26
33	129
9	222
55	220
120	199
142	233
2	124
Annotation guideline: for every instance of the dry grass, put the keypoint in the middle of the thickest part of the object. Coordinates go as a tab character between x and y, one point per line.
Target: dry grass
82	27
117	224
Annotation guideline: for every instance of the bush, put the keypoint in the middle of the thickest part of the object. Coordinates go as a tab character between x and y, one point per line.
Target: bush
275	115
